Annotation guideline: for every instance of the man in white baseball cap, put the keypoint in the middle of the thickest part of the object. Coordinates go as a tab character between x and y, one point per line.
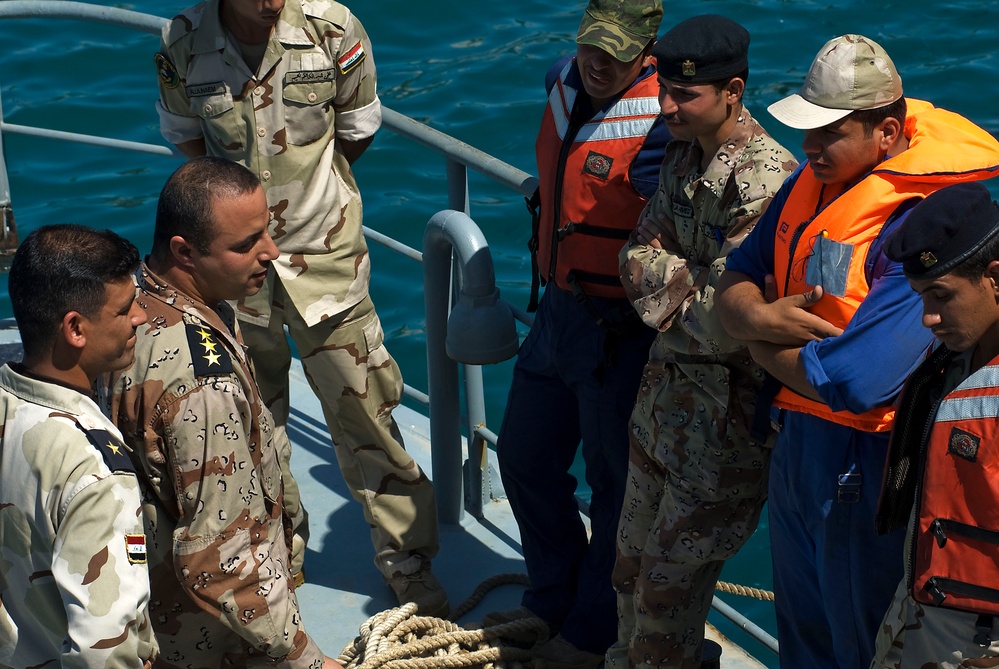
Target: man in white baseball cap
836	326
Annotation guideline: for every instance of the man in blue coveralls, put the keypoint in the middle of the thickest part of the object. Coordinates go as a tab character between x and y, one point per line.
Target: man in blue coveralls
599	150
834	322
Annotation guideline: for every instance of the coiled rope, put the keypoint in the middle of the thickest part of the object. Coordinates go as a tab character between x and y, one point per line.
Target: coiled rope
399	639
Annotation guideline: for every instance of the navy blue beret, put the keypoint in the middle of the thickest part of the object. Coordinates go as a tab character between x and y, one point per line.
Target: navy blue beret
944	230
702	49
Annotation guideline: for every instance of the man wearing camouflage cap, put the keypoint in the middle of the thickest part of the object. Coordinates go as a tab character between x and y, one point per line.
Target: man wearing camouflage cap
219	501
697	478
599	150
946	609
835	324
74	588
289	90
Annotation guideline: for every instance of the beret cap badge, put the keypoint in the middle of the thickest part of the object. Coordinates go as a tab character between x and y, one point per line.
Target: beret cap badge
927	258
689	69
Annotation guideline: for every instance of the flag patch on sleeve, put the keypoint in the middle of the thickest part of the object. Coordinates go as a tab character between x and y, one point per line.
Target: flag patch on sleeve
351	59
135	548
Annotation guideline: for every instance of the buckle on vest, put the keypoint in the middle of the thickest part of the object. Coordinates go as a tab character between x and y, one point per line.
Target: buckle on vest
983	630
936	527
848	491
934	591
566	231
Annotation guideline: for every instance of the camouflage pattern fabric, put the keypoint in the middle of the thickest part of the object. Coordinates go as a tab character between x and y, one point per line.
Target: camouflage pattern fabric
697	480
622	28
214	490
932	637
315	88
73	582
358	383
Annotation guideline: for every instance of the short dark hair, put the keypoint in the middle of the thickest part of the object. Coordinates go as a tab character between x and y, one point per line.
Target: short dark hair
63	268
185	205
870	118
974	267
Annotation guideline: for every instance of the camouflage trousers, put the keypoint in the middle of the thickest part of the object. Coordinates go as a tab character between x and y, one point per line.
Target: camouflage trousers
932	637
696	485
358	384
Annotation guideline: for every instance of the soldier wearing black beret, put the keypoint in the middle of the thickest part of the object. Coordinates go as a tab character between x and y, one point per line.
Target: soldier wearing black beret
943	444
720	172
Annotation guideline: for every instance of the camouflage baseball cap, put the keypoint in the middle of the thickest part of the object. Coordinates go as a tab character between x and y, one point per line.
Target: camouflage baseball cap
850	72
622	28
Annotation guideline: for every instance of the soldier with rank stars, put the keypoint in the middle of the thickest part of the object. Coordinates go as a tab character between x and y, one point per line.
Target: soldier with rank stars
74	588
288	89
219	499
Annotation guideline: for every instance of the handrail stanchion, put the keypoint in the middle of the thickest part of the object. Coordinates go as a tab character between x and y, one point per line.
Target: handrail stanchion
479	330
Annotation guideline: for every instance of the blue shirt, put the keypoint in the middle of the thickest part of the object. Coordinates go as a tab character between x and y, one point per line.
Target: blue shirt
865	367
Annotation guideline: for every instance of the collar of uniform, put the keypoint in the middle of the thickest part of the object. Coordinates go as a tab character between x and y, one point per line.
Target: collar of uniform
48	392
222	319
291	28
719	170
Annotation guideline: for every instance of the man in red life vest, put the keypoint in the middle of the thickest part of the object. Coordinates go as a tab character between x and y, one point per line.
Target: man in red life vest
944	448
599	150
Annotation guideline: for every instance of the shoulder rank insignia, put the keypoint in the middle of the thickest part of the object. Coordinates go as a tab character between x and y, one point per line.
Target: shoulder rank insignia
208	355
114	453
168	73
135	548
351	59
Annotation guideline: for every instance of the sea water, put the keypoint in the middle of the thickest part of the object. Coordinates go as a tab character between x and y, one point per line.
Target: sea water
473	69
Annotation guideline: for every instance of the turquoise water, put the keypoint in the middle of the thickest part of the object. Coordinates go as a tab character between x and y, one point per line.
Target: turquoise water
472	69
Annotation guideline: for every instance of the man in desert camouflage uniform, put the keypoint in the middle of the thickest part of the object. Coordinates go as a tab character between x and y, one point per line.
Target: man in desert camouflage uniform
219	529
74	586
697	476
289	90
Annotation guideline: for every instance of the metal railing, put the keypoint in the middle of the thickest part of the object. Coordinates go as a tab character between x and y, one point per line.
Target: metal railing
451	236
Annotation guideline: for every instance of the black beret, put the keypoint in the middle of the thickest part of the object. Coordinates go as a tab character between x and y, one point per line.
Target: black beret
702	49
944	230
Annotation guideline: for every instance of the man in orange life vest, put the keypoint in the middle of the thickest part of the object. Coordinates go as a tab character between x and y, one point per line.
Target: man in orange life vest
837	326
947	606
599	150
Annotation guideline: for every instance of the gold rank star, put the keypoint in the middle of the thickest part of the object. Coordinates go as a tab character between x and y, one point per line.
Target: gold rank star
205	334
209	345
212	357
113	447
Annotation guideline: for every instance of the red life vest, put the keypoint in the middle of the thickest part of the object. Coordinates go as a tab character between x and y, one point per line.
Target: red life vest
944	148
588	204
956	541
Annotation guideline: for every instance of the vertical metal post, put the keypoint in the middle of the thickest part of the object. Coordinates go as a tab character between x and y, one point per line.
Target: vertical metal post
8	230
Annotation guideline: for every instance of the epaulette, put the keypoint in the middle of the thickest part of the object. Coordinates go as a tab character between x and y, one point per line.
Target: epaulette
112	450
327	10
183	24
208	354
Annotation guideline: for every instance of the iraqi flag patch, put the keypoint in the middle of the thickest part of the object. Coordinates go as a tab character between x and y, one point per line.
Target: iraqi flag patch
135	548
351	59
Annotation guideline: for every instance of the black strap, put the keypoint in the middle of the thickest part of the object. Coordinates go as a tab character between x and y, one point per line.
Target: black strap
983	630
534	206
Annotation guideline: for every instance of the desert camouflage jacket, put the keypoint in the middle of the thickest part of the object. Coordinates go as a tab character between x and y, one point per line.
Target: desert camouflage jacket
74	585
705	215
315	88
215	479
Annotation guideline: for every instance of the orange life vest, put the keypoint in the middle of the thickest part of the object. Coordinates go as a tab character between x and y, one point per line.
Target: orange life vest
588	204
944	148
955	559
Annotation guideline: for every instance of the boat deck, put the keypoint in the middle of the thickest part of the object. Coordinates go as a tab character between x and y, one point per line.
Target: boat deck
343	589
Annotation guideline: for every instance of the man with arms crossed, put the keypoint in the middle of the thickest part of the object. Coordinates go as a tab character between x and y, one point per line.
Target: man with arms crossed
289	91
697	477
74	586
835	323
205	445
